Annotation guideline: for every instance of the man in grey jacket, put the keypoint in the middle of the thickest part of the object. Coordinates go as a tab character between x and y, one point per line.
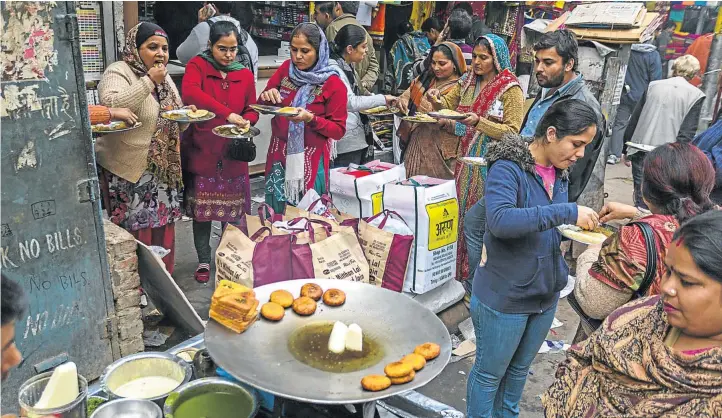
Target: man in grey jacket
197	41
644	67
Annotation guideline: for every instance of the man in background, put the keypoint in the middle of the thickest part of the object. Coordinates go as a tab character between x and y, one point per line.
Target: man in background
478	27
344	13
661	42
457	29
432	28
700	49
668	111
644	67
557	57
197	41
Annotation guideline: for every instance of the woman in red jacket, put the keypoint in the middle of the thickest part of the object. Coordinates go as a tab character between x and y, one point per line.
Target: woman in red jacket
301	146
217	187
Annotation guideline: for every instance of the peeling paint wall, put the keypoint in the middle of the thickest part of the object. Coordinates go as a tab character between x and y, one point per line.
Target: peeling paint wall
27	51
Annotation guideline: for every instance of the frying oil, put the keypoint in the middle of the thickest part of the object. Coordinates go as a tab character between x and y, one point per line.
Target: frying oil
309	345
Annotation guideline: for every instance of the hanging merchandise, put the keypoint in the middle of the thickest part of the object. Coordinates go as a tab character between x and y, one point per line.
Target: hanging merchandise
421	11
515	40
378	23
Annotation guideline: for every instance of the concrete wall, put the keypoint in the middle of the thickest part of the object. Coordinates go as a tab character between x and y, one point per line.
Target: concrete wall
123	262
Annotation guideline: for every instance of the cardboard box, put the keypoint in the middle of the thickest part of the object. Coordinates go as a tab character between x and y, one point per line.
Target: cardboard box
431	209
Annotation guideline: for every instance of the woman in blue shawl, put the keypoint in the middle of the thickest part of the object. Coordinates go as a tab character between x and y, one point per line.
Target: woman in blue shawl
301	146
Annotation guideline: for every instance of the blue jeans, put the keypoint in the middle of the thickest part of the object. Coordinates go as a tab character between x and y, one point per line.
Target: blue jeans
505	348
474	226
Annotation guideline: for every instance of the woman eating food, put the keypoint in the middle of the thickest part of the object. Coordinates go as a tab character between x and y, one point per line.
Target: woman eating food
357	145
140	170
678	180
493	101
301	146
431	149
657	356
522	270
217	186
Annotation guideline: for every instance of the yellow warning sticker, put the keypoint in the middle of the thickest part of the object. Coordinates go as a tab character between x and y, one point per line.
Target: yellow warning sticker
443	223
377	202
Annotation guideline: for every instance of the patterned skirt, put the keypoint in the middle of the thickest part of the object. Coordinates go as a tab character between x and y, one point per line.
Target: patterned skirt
149	203
217	198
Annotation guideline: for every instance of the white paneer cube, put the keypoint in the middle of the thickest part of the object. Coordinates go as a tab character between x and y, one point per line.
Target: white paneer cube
354	338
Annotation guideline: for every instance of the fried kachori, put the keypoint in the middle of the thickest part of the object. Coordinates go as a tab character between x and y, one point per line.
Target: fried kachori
417	361
403	379
272	311
375	382
282	297
304	306
334	297
312	290
428	350
398	369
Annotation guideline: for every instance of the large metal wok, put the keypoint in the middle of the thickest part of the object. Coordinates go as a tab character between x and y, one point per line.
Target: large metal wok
260	356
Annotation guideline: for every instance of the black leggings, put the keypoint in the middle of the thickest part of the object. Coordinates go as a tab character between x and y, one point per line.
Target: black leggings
202	238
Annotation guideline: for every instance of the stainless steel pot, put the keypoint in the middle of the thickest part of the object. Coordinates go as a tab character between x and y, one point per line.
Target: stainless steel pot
142	365
128	408
209	385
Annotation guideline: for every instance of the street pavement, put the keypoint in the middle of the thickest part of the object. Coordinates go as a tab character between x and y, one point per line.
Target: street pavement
450	386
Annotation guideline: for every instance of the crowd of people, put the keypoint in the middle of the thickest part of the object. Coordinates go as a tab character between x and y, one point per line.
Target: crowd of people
656	355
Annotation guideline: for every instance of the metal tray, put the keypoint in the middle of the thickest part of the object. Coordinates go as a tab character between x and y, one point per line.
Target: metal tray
450	117
186	119
272	110
413	119
386	112
641	147
252	132
95	130
260	356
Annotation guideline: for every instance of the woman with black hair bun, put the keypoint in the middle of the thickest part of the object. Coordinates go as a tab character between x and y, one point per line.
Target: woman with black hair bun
217	184
357	145
678	180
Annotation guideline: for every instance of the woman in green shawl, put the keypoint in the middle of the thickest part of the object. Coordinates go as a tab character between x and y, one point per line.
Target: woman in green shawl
217	187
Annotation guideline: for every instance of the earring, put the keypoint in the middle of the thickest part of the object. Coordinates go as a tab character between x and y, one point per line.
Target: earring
672	292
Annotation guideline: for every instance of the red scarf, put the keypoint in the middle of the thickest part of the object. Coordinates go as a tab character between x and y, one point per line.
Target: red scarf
486	98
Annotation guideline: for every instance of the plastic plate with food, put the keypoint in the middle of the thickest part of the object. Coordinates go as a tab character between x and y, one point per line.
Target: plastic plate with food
232	131
275	110
381	111
419	118
112	127
188	116
596	236
448	114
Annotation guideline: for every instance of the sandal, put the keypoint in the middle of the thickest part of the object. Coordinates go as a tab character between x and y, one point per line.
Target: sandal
203	273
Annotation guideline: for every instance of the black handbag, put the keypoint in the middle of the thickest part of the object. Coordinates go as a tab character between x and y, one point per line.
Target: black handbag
591	324
241	149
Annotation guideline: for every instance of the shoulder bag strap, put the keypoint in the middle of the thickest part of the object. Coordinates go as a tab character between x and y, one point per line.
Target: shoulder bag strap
651	269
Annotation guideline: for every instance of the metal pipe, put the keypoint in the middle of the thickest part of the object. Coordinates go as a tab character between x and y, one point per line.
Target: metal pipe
702	20
710	82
